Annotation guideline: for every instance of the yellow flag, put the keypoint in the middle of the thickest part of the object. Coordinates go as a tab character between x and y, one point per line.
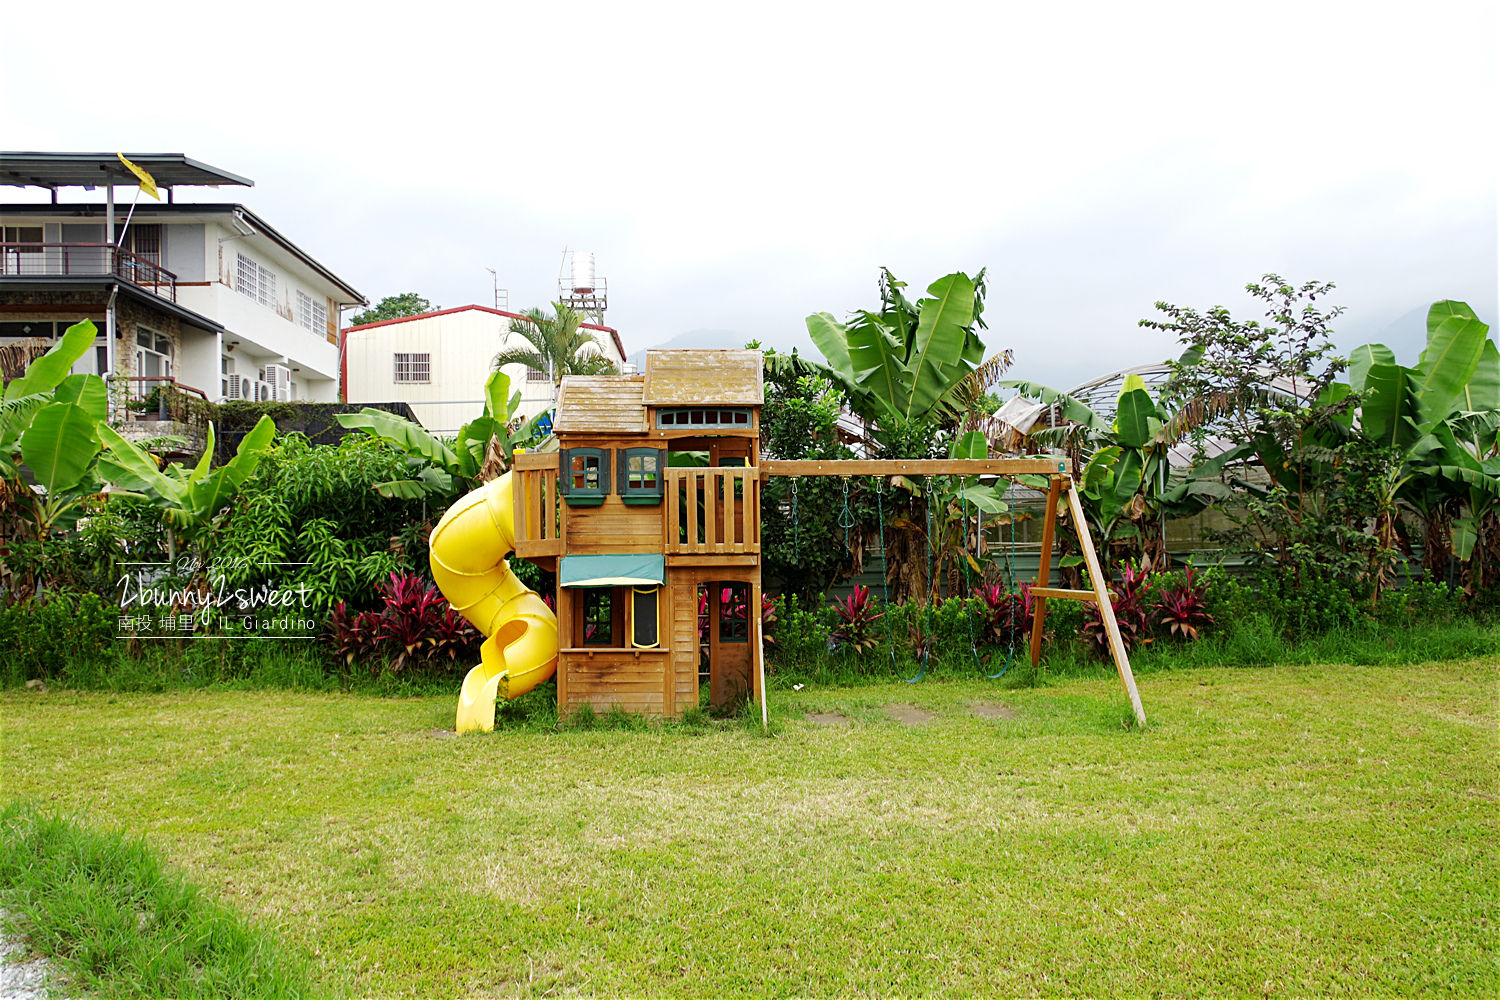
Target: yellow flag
148	183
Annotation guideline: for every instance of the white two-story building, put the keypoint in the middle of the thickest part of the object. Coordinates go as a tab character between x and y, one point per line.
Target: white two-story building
209	298
438	363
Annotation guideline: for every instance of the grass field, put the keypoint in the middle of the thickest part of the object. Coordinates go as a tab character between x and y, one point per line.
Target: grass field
1279	832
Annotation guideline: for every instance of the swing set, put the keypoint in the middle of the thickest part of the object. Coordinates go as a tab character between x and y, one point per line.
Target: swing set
1060	484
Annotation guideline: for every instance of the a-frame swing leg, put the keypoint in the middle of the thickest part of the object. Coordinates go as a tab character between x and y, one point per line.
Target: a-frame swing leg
1106	610
1044	570
1098	582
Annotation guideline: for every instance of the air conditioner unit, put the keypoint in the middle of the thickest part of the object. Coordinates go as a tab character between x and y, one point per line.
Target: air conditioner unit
238	387
264	392
279	377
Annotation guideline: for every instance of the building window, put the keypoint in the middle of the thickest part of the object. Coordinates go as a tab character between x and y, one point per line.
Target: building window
536	375
413	368
640	475
644	633
734	612
585	476
312	314
22	247
704	417
255	281
153	355
598	617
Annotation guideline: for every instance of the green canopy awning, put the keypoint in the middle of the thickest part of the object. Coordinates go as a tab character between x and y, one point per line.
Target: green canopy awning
634	569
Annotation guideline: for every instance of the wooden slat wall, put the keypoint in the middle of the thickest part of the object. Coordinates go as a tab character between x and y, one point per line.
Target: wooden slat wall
605	680
684	633
613	526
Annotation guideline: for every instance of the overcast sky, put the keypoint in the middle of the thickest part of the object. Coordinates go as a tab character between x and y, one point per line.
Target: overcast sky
736	167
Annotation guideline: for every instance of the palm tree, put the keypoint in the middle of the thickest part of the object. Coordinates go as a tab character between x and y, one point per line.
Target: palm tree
556	345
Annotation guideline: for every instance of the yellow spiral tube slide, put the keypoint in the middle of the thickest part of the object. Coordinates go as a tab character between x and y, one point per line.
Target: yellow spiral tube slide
468	549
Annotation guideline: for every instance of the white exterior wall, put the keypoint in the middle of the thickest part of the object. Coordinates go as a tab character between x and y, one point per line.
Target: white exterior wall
461	344
265	335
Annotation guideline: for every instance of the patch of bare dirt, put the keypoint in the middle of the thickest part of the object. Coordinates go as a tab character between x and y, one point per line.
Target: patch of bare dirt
828	719
987	710
910	715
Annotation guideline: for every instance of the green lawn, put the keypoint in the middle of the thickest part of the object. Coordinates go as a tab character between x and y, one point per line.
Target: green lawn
1277	832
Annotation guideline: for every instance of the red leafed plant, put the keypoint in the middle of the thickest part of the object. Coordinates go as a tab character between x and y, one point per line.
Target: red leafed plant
1129	604
1183	609
413	623
858	616
1007	615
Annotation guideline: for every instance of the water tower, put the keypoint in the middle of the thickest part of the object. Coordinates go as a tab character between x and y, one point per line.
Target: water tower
579	286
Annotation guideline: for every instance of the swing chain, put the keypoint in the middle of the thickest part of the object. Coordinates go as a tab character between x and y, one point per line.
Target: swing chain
846	516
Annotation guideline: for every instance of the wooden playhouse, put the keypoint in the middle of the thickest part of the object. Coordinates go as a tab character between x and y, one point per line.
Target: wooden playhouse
641	547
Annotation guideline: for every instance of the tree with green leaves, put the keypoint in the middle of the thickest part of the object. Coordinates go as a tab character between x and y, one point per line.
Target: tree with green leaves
556	345
394	307
915	372
912	369
1126	480
1440	422
440	469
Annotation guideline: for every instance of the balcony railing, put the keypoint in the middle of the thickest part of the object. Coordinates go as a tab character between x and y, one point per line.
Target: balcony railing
40	260
712	511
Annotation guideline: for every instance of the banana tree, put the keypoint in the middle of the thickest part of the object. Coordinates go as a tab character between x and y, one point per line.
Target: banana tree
911	364
1127	482
48	424
439	468
1439	420
189	500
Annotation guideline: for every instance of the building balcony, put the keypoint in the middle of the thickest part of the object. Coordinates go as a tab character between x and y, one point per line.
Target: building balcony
82	260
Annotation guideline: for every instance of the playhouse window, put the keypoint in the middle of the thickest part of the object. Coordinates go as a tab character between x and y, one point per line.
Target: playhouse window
734	612
641	475
598	617
705	417
643	628
585	476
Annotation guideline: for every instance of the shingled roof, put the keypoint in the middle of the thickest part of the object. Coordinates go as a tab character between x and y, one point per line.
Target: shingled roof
703	377
601	404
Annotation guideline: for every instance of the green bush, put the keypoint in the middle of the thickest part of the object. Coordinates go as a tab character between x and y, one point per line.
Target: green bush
801	634
47	638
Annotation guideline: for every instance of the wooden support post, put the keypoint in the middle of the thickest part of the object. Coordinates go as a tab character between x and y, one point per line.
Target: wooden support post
1044	569
758	678
1106	610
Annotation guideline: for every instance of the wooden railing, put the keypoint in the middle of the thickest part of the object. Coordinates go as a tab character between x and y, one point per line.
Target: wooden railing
712	511
536	514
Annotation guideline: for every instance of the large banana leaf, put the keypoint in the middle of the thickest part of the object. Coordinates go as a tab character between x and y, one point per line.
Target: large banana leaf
1455	343
943	322
88	391
126	465
209	492
403	433
1481	394
48	371
876	354
1390	408
1137	419
1363	358
497	402
829	336
59	446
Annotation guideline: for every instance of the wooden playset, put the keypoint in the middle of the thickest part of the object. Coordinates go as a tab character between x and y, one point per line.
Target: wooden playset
641	548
